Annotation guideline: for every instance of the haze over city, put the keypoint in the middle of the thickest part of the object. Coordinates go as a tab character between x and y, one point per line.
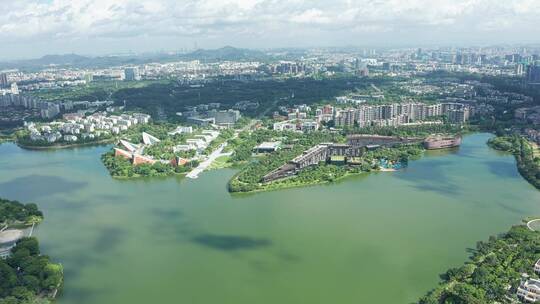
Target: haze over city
33	28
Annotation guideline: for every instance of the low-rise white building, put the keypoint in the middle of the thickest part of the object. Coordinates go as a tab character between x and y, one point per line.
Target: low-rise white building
284	126
181	130
87	136
180	148
199	143
529	291
93	126
141	118
70	138
213	134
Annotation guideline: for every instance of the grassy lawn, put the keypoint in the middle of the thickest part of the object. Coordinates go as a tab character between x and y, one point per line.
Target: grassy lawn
221	162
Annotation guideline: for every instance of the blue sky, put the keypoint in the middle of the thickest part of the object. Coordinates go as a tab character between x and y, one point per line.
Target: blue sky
31	28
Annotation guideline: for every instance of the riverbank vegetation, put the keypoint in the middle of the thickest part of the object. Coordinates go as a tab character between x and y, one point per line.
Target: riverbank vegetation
402	154
527	161
327	172
26	276
494	271
13	212
120	167
7	135
314	175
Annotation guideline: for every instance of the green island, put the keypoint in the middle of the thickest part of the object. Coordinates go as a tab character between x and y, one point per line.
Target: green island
527	155
26	276
495	270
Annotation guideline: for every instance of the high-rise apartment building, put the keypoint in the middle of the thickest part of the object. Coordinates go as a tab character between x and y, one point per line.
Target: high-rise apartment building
396	114
3	80
132	74
533	74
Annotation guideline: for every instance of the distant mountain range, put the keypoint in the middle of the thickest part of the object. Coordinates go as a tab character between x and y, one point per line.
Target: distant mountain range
77	61
226	53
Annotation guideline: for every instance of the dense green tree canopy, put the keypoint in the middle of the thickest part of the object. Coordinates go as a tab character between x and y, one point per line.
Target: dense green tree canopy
493	273
26	276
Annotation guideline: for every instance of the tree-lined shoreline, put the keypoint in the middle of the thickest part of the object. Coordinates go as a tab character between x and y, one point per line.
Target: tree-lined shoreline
26	276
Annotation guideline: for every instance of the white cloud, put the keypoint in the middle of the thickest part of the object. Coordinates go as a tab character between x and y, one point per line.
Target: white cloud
28	21
312	15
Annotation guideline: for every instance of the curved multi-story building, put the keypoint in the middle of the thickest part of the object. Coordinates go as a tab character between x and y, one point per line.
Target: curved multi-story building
442	142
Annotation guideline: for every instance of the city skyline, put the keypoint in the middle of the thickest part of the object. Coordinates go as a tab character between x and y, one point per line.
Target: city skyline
33	28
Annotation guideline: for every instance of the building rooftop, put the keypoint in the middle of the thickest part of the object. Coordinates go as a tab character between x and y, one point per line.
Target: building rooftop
149	139
532	284
267	145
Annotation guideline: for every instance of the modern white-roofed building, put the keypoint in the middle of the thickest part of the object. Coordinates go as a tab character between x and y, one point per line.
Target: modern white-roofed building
149	139
182	130
266	147
179	148
129	146
199	143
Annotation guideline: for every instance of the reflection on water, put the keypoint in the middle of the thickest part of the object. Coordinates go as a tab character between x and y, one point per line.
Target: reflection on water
231	242
35	186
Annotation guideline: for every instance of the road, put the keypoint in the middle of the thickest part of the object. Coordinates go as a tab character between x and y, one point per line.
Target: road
376	89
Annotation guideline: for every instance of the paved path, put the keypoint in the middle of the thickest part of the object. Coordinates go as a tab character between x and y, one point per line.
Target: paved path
10	236
531	223
218	152
205	164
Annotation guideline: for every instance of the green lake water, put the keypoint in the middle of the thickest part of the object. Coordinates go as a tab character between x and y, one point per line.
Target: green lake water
376	238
